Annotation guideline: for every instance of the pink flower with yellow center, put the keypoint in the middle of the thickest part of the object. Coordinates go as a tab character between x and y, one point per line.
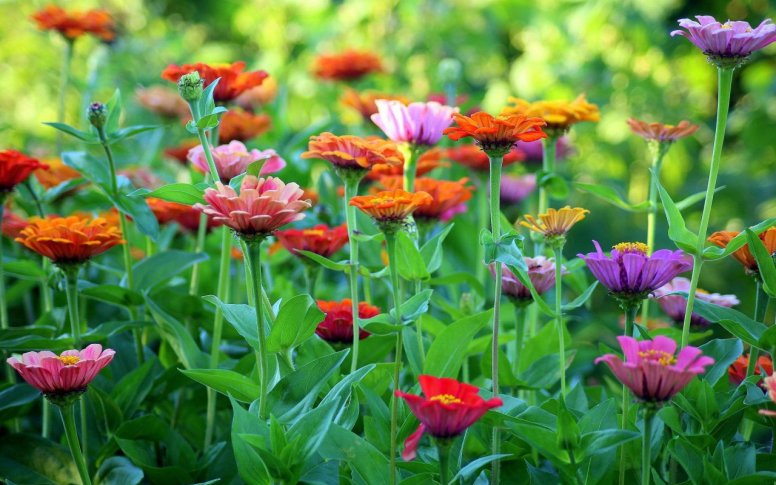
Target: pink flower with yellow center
233	159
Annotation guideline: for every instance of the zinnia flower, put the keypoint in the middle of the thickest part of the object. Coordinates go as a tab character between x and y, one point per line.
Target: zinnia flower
72	25
660	132
69	240
541	272
242	126
233	159
416	123
348	65
429	160
54	172
472	157
515	189
12	224
496	135
162	101
555	223
534	150
351	153
337	325
743	255
631	275
445	410
447	196
770	387
15	167
263	206
559	115
390	208
364	102
234	79
259	96
737	370
181	152
184	215
731	40
320	239
675	305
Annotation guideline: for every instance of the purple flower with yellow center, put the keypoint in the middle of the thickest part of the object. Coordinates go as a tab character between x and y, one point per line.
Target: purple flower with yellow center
631	275
675	305
728	44
541	272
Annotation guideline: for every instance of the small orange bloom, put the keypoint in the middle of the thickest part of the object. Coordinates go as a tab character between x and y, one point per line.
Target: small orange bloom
320	239
554	222
447	196
743	255
660	132
56	173
234	80
242	126
471	156
348	65
185	215
15	167
496	135
352	152
311	195
258	96
428	161
737	370
181	152
12	224
163	101
559	115
69	240
364	102
75	24
391	206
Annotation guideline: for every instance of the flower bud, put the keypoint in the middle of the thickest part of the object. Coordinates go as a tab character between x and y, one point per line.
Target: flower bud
190	86
97	113
449	70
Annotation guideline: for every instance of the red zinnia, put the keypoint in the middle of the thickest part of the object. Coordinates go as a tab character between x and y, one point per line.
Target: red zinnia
737	370
12	224
337	326
185	215
234	81
181	152
320	239
14	168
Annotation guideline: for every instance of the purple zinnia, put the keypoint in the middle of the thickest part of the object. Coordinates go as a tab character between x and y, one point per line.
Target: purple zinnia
534	150
541	272
675	305
731	40
516	188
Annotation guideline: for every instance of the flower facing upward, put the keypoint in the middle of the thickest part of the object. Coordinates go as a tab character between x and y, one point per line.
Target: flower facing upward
514	189
233	159
61	376
12	224
163	102
445	410
15	167
416	123
390	208
555	223
240	125
559	115
541	272
337	325
72	25
55	172
186	216
430	159
472	157
69	240
675	305
737	370
770	388
364	102
743	255
661	133
263	206
496	135
320	239
234	79
731	40
348	65
352	153
447	196
652	371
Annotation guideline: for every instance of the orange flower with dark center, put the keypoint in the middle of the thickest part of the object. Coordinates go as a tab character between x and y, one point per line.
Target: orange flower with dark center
660	132
72	25
320	239
351	152
185	215
473	157
348	65
390	207
559	115
12	224
496	135
364	102
69	240
743	255
163	101
181	152
234	79
15	167
55	173
447	196
428	161
242	126
555	222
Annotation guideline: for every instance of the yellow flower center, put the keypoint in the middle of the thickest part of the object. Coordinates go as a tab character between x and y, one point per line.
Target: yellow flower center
726	25
446	399
660	356
631	247
69	359
313	232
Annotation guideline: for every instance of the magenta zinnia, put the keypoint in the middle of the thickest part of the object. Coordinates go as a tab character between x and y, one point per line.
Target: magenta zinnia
675	306
417	123
541	272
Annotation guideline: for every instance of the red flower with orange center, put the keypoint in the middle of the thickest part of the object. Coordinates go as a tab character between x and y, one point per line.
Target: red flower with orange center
447	196
320	239
70	240
473	157
185	215
347	65
234	80
351	152
428	161
496	135
737	370
181	152
15	167
54	173
364	102
743	255
242	126
337	325
391	206
72	25
660	132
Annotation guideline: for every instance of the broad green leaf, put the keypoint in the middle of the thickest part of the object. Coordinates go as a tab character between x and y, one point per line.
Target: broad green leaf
112	294
138	210
724	352
447	351
581	299
53	194
610	195
506	250
160	267
242	317
186	194
712	253
15	396
296	322
118	470
556	186
323	261
129	132
522	274
250	465
228	383
75	133
694	198
30	459
132	389
409	261
470	470
605	441
411	310
177	337
114	108
432	251
311	429
765	262
94	170
25	269
366	462
735	322
677	229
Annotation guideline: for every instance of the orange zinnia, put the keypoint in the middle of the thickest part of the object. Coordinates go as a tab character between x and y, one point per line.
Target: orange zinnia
743	255
185	215
242	126
351	152
56	173
559	115
15	167
69	240
428	161
474	158
448	197
258	96
75	24
348	65
319	239
390	208
555	222
660	132
162	101
364	102
181	152
234	81
496	135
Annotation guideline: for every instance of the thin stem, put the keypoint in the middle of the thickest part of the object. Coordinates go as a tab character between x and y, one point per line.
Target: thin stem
198	247
630	317
725	82
482	224
71	292
208	155
495	223
761	303
419	329
390	242
351	190
253	260
559	312
646	448
443	450
549	145
410	168
68	419
520	315
64	78
658	152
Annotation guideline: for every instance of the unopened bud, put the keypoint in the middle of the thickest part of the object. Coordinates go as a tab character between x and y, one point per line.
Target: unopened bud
190	86
449	70
97	114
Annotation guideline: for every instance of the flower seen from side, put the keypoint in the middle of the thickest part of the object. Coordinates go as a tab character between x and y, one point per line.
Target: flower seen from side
743	255
448	197
390	208
319	239
660	132
15	167
365	102
737	370
675	305
726	44
541	272
419	124
337	325
74	24
560	116
347	65
242	126
555	223
472	157
496	135
234	79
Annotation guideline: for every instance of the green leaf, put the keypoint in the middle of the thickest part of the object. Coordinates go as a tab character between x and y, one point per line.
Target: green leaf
114	295
138	210
606	441
17	395
250	465
75	133
242	317
25	269
677	229
187	194
411	310
507	250
724	352
177	337
735	322
581	299
448	349
133	388
432	251
554	184
610	195
712	253
323	261
694	198
311	429
522	274
365	461
409	261
114	108
92	169
30	459
118	470
207	122
129	132
228	383
53	194
470	470
296	322
160	267
764	262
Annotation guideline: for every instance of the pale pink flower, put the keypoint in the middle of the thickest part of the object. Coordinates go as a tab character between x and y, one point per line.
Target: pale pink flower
416	123
770	387
541	272
233	159
675	305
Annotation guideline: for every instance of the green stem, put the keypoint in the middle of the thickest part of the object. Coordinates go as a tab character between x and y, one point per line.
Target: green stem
558	250
351	190
390	242
725	81
71	292
443	450
495	223
64	79
253	260
658	150
68	419
646	448
630	317
761	303
419	329
482	223
549	145
410	168
520	315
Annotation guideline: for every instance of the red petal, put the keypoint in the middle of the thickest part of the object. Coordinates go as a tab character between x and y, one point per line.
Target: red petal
411	444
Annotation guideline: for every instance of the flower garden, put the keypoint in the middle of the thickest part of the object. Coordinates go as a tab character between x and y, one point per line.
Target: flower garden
284	261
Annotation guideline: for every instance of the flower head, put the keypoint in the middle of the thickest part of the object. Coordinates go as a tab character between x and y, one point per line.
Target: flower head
726	44
559	115
445	410
770	388
262	206
348	65
472	157
534	150
233	159
69	240
514	189
429	160
365	102
416	123
337	325
181	152
496	135
661	133
259	96
12	224
675	305
541	272
652	371
320	239
234	80
186	216
162	101
447	197
54	172
555	223
74	24
242	126
353	154
743	255
390	208
15	167
737	370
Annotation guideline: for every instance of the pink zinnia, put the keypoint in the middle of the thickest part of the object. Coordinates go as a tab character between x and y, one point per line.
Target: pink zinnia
418	123
651	369
233	159
770	387
57	376
731	39
675	305
541	272
262	206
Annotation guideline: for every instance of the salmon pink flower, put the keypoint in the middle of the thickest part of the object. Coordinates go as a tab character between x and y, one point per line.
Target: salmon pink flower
259	96
726	44
233	159
652	371
320	239
15	167
352	156
675	305
541	272
743	255
348	65
337	325
445	410
496	135
661	133
234	80
416	123
737	370
69	240
241	125
447	196
186	216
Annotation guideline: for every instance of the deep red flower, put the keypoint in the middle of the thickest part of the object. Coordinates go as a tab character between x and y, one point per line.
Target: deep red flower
737	370
12	224
320	239
14	168
234	81
337	326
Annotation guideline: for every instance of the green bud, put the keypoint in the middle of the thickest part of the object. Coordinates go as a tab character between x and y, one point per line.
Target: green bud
190	86
97	114
450	70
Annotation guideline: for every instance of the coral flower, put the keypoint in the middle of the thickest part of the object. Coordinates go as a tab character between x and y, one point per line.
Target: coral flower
428	161
60	376
263	206
445	410
70	240
185	215
390	208
555	222
541	272
234	80
733	39
364	102
12	224
737	370
348	65
534	150
15	167
652	371
675	305
770	387
242	126
496	135
181	152
743	255
447	196
559	115
258	96
416	123
72	25
55	172
474	158
337	325
631	275
163	102
320	239
351	153
661	133
233	159
515	189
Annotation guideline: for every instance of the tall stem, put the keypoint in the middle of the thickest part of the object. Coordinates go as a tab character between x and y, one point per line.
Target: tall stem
64	79
390	242
71	292
253	260
630	317
558	250
646	448
482	223
68	420
549	145
351	190
520	315
410	168
761	303
725	81
495	223
199	245
658	152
